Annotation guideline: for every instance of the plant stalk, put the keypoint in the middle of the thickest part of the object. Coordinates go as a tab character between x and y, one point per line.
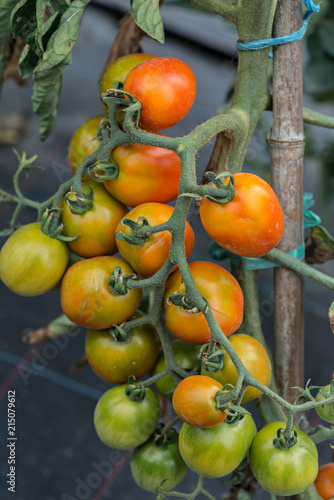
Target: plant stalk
287	149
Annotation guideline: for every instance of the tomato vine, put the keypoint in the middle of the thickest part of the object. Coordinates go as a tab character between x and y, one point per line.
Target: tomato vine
235	128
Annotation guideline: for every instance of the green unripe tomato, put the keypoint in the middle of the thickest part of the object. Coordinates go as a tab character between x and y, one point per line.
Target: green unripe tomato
186	356
122	423
153	463
325	412
283	471
32	263
115	360
216	451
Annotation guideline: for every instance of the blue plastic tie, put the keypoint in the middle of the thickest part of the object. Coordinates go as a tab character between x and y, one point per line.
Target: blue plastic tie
293	37
250	263
310	218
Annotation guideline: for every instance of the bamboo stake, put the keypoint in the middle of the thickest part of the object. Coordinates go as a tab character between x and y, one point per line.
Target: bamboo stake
287	149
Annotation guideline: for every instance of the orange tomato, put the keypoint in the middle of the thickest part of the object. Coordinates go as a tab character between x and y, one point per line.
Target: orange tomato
256	360
166	89
119	69
86	298
146	173
249	225
221	290
324	481
149	257
194	401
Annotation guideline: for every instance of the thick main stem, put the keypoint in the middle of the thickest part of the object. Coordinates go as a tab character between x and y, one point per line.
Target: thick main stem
287	148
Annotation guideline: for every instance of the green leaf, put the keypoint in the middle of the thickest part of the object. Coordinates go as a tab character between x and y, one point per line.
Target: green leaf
146	14
6	7
62	326
45	99
49	72
40	10
28	62
27	22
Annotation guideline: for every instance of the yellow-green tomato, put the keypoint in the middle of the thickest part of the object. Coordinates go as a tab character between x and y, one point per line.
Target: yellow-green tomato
116	360
216	451
122	423
186	356
32	263
95	229
325	412
255	359
152	463
283	472
84	142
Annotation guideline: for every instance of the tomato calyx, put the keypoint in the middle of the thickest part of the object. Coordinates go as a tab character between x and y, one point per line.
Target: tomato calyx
283	442
162	438
80	202
52	227
119	334
223	399
118	281
307	396
224	192
135	390
139	233
214	361
236	476
325	394
180	299
119	99
104	171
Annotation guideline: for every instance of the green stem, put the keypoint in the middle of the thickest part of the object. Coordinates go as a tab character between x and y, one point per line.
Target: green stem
170	425
248	280
199	490
289	426
319	119
299	267
155	378
63	189
16	213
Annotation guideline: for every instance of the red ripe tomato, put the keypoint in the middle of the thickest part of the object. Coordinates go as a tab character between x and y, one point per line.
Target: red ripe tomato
166	89
119	69
116	360
222	292
84	142
256	360
146	173
149	257
32	263
86	298
96	227
249	225
194	401
324	481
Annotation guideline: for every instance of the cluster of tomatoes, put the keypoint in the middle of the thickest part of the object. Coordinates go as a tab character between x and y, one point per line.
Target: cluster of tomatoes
126	416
